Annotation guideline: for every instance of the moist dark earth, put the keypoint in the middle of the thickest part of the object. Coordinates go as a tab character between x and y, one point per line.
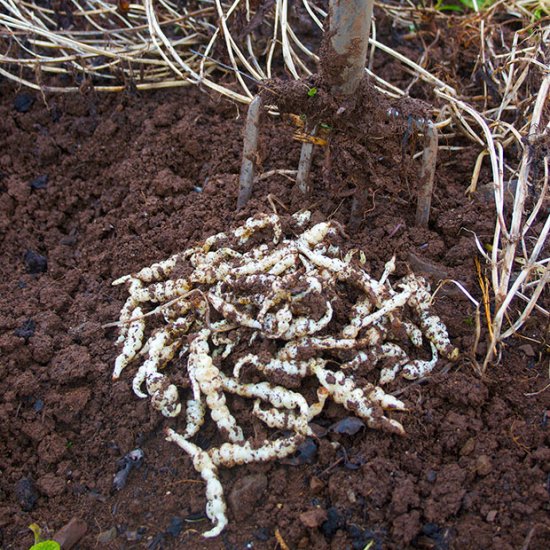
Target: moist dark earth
94	187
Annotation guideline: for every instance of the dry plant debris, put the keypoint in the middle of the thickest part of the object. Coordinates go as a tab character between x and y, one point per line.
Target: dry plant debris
278	281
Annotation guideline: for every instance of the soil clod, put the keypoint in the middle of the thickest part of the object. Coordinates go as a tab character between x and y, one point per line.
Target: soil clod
334	522
245	493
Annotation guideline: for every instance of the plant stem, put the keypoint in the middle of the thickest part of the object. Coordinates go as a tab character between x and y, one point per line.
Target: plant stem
250	151
427	175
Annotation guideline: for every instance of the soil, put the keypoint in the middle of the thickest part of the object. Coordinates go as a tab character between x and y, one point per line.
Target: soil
94	187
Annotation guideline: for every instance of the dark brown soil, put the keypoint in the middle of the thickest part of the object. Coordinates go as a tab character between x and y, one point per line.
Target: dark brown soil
133	179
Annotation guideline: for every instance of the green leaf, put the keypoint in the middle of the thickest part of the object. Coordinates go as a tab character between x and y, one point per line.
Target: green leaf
312	92
46	545
450	7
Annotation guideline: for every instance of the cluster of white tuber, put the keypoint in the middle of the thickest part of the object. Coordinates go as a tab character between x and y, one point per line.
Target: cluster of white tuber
211	303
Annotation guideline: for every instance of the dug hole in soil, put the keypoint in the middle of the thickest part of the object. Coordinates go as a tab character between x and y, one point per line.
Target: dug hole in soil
95	187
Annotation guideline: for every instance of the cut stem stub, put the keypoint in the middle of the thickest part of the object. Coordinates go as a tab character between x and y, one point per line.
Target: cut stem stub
250	151
304	166
427	175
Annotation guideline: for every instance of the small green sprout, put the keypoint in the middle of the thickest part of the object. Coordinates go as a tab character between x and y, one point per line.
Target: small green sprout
312	92
325	126
39	543
469	321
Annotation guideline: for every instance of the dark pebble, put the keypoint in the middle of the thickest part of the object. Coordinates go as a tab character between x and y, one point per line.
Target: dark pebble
431	476
262	534
176	526
40	182
55	113
38	405
36	263
26	494
334	522
431	529
23	102
304	455
126	464
26	330
348	426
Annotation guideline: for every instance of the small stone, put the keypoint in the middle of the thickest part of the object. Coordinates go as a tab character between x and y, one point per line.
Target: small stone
26	494
313	518
491	516
36	263
348	426
69	535
40	182
316	485
23	102
484	466
107	536
305	454
245	493
431	476
468	447
52	449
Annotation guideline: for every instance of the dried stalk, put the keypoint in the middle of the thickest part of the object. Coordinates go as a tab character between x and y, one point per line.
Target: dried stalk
250	151
427	175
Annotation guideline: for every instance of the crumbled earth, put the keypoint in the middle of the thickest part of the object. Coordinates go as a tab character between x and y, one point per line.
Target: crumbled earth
92	188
